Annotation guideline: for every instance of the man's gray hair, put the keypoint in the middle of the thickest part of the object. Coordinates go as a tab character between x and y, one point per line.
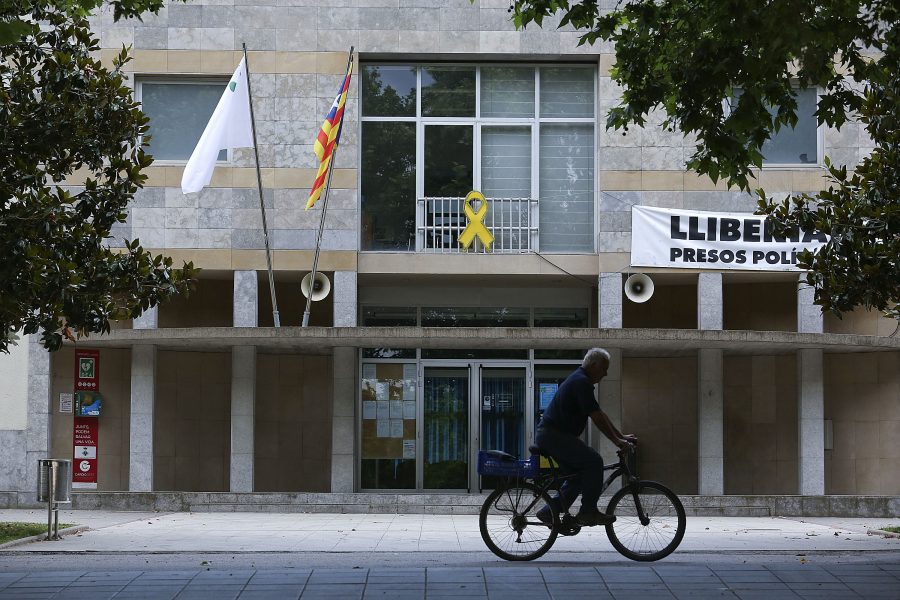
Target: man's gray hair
594	356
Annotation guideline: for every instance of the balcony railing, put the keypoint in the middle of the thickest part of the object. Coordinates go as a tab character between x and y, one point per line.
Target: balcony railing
512	221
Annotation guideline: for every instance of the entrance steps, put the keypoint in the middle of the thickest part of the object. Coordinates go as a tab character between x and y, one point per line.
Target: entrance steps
446	503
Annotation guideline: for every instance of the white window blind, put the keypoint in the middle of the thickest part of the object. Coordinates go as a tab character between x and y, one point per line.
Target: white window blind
567	92
507	92
566	187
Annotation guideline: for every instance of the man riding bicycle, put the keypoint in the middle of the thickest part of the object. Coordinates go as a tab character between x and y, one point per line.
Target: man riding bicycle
559	435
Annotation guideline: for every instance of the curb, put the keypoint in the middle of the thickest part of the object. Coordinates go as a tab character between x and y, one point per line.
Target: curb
42	537
883	533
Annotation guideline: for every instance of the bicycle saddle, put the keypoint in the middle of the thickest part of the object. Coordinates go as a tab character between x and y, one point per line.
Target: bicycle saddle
500	455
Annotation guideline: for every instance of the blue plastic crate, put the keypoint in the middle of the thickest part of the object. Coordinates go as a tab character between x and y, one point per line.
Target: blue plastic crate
493	465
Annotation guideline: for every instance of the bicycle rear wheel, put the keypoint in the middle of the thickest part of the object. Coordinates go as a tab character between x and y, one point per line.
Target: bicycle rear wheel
654	531
509	526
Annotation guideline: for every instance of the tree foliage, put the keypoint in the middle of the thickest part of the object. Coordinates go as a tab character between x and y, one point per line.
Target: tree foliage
688	58
65	118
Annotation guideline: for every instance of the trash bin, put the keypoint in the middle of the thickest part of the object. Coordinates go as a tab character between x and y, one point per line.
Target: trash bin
55	473
54	486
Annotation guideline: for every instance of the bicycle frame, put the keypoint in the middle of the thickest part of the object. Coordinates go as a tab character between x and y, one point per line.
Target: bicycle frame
552	481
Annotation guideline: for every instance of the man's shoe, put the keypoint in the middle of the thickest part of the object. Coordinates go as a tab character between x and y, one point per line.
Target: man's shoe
594	518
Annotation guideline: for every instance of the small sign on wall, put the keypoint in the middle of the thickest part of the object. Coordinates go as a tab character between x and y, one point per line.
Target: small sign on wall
87	370
84	454
65	402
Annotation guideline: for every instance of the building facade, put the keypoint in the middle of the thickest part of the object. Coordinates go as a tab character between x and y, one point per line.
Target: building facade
424	353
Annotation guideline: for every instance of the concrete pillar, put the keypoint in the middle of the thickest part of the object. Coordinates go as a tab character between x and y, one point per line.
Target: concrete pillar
809	315
610	399
811	422
37	433
711	444
243	384
143	393
343	428
149	319
243	407
246	299
609	313
345	303
709	301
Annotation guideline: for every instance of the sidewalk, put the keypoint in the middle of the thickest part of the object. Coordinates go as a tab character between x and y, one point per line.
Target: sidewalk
317	532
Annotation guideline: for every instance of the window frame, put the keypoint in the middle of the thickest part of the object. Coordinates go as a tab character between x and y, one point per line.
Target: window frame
140	80
478	122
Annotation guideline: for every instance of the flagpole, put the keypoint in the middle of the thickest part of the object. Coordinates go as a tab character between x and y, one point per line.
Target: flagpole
262	205
315	265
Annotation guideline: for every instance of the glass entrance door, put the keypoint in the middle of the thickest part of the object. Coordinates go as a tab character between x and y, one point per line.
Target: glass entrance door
502	408
445	443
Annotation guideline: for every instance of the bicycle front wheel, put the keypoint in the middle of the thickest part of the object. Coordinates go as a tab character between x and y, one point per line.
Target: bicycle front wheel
509	525
649	523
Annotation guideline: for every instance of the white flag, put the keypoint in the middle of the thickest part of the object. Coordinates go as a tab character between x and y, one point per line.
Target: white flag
229	127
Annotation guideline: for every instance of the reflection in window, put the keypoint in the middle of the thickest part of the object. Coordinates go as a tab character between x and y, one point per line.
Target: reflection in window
389	91
448	160
796	145
389	316
560	317
448	92
475	316
388	185
178	115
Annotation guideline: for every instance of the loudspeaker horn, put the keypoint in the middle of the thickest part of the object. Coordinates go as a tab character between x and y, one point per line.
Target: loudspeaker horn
320	287
638	288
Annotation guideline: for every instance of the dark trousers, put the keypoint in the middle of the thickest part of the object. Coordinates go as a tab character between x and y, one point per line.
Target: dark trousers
574	457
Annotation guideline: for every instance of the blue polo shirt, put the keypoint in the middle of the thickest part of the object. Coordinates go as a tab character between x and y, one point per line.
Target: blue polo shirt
573	402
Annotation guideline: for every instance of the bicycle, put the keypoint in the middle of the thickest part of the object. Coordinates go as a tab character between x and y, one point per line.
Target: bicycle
650	520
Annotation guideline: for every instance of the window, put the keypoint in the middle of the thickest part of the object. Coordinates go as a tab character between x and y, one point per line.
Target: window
513	132
178	112
798	145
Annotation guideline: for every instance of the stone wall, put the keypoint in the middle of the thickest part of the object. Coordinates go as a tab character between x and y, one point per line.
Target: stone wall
659	405
862	399
293	423
191	433
760	424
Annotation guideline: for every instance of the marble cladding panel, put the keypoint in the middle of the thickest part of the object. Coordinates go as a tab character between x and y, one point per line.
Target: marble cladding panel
13	461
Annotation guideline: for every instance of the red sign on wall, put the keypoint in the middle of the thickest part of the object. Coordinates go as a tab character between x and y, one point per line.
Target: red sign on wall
87	370
84	464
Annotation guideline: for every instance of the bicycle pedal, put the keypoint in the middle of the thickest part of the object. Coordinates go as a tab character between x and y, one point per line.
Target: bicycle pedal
569	525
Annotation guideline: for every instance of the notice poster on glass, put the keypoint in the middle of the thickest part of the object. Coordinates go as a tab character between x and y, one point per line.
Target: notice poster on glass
368	371
382	410
409	410
381	390
409	390
369	409
383	428
396	428
396	409
409	449
547	391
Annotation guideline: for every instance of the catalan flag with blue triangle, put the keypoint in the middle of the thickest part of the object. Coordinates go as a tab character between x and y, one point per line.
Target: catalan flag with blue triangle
328	138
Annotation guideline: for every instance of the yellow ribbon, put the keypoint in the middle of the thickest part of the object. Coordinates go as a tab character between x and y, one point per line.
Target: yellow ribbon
476	226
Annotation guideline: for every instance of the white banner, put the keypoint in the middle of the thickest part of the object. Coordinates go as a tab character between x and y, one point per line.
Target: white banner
692	239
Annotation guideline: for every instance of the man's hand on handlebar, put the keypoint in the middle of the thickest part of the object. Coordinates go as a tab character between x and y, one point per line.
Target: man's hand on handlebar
627	442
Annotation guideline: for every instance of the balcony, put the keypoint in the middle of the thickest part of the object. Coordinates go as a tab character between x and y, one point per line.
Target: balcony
512	221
